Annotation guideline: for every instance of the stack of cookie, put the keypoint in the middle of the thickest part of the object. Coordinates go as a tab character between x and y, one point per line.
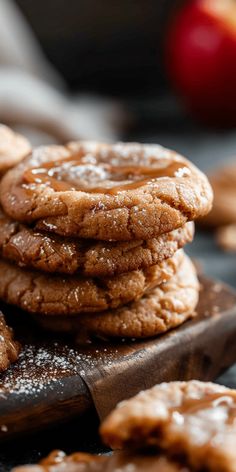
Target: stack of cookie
91	238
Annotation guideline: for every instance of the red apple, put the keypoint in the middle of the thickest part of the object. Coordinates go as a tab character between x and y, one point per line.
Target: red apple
200	56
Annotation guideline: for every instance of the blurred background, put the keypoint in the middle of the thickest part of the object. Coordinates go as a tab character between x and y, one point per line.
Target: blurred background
107	47
137	70
123	68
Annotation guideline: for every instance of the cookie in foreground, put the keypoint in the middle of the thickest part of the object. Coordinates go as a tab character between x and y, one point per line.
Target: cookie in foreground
57	461
194	419
172	427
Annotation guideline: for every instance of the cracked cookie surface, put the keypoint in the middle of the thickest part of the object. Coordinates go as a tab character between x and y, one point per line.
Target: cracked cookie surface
160	309
193	419
70	295
107	192
52	253
9	348
13	148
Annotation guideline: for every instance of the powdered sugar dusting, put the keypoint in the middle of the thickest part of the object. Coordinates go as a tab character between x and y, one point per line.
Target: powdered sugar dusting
78	174
43	154
133	153
40	368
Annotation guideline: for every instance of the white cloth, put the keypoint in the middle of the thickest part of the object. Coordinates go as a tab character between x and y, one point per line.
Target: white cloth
34	96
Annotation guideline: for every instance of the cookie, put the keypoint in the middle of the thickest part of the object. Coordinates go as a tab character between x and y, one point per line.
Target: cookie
13	148
117	192
226	237
9	348
71	295
165	307
223	182
52	253
193	419
57	461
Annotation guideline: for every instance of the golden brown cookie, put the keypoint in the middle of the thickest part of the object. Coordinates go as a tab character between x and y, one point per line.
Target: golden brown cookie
70	295
194	419
52	253
107	192
223	182
13	148
160	309
9	348
57	461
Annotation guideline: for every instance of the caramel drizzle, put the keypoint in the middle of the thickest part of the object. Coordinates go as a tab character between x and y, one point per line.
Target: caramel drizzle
191	406
40	175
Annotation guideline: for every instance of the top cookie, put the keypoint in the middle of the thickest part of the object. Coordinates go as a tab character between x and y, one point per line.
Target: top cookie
194	419
13	148
107	192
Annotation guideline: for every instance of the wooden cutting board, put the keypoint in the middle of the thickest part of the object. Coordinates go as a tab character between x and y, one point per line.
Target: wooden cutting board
54	379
